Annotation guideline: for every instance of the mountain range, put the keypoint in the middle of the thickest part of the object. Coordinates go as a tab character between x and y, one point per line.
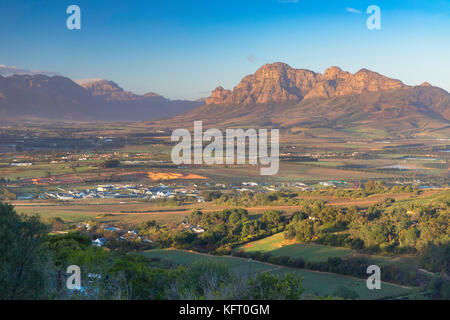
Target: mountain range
60	98
281	96
278	82
276	95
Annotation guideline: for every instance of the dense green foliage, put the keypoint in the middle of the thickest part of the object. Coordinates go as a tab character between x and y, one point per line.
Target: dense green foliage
247	199
436	258
33	266
24	262
384	227
222	230
346	293
278	198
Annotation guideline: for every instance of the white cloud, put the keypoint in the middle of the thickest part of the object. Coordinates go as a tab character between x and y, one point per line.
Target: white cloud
287	1
10	70
352	10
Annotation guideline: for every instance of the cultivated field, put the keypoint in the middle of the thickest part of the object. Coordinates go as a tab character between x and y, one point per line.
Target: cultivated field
314	282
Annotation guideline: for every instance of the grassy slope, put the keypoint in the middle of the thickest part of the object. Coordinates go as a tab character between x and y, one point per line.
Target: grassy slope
277	246
314	282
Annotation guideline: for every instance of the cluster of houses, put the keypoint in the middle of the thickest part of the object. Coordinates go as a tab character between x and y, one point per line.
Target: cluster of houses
332	183
125	235
250	186
21	164
125	191
114	192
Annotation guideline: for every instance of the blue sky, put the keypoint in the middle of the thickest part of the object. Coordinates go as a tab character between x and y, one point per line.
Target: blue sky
184	49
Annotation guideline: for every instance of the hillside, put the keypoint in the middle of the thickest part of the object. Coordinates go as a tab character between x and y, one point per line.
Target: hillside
60	98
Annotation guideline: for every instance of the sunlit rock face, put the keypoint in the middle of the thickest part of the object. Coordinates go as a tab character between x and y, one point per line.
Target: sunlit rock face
278	82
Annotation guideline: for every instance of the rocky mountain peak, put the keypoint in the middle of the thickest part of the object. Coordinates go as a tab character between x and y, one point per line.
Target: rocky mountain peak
106	89
272	71
151	94
218	95
278	82
334	73
99	85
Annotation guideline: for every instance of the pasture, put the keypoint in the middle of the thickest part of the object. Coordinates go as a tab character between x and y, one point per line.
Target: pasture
319	283
278	246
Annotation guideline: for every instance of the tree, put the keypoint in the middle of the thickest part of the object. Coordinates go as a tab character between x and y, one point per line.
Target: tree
409	237
237	217
271	218
436	258
194	217
24	261
375	234
110	164
211	195
304	231
56	223
266	286
346	293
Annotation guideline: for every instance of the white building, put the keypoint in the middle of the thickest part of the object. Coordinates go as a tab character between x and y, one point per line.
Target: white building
20	164
99	242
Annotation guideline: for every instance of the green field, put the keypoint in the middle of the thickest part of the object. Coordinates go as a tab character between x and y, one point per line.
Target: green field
314	282
40	170
324	284
277	246
240	266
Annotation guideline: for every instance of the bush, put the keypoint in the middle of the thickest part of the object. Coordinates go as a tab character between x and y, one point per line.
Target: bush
110	164
346	293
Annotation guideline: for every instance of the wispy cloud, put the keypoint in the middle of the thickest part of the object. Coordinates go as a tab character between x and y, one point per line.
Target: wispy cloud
252	59
10	70
287	1
353	10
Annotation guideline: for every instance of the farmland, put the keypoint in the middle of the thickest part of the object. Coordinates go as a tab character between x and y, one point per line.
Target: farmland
277	246
135	211
314	282
328	190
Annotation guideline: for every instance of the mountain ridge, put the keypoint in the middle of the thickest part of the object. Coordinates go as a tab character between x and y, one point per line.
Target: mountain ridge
277	95
279	82
111	91
58	97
